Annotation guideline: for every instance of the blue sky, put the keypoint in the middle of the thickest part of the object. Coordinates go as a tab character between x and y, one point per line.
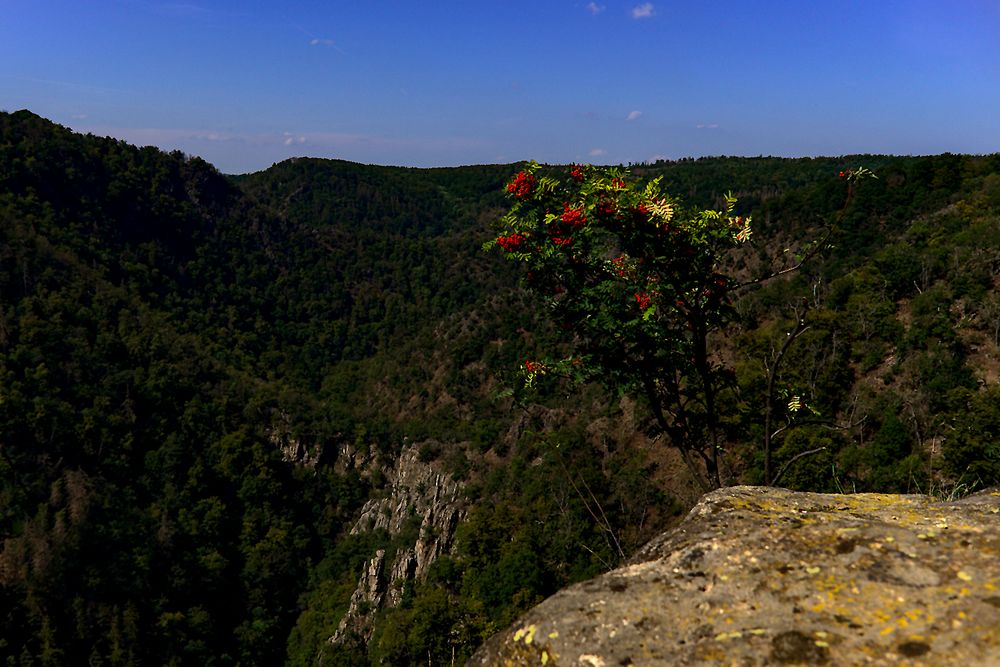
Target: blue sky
246	84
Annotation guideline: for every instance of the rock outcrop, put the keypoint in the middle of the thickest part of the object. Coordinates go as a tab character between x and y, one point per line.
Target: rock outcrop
764	576
293	449
416	492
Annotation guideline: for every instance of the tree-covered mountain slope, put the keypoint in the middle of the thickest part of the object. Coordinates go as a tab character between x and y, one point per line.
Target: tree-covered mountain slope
165	329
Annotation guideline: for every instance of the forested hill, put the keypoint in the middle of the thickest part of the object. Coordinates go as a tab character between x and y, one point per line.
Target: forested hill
157	324
163	327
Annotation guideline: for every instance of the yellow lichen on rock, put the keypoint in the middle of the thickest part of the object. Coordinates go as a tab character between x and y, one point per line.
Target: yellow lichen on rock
769	576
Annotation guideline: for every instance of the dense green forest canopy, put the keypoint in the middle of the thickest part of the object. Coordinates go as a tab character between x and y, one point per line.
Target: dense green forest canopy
162	326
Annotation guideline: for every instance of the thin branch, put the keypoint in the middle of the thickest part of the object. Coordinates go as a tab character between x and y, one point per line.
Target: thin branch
606	564
817	247
793	460
605	521
825	423
650	388
602	520
772	375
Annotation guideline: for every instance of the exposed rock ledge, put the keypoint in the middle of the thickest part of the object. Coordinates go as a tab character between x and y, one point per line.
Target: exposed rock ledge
415	491
764	576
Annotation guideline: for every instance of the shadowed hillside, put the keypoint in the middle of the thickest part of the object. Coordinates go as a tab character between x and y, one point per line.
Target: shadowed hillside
203	380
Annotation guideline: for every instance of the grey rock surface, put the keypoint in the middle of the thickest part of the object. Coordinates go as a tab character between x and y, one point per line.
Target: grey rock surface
415	491
765	576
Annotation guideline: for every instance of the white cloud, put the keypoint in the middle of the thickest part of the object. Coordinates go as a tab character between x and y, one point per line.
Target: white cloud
242	152
643	11
320	42
633	115
183	10
707	126
597	152
160	136
595	8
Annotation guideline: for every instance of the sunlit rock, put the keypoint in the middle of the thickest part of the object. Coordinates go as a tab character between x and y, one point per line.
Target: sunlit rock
765	576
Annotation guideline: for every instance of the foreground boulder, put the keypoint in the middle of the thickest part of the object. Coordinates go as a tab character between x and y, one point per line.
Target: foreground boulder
765	576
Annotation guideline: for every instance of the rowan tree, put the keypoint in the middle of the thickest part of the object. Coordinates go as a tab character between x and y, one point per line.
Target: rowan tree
637	280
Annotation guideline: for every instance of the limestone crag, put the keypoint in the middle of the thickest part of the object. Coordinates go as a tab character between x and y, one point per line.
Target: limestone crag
293	449
764	576
363	460
416	493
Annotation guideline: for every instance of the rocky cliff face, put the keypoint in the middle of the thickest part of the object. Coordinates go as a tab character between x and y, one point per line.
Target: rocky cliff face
415	492
763	576
293	449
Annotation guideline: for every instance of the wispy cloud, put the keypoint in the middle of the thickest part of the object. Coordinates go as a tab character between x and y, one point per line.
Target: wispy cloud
184	10
707	126
633	115
171	137
643	11
597	152
595	8
160	136
236	152
315	40
75	85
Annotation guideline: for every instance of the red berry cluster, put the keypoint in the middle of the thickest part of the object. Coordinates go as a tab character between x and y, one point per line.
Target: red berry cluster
606	208
522	185
620	267
717	291
643	300
512	242
576	173
533	366
574	217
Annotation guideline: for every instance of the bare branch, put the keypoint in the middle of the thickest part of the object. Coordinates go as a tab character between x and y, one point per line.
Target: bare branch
815	250
792	460
772	375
